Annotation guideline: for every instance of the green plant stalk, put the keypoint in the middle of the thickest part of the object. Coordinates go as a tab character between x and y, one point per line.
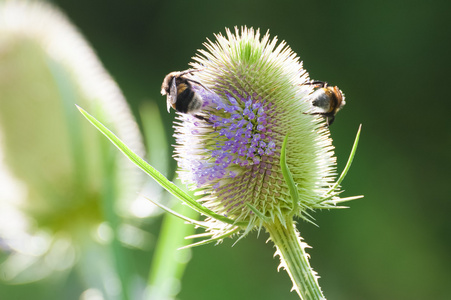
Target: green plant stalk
168	264
68	94
294	259
120	258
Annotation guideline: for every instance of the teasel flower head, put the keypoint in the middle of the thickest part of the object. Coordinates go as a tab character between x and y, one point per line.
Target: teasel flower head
255	153
255	95
250	147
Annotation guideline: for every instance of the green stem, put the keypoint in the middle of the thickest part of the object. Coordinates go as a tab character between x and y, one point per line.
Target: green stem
294	259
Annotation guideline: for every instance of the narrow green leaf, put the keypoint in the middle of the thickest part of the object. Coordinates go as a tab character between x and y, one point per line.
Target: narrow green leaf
157	176
288	177
158	153
258	213
168	264
180	216
220	237
333	202
348	164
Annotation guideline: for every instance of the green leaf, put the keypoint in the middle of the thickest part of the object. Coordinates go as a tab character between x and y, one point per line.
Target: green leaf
258	213
288	177
168	264
178	215
217	238
157	176
348	163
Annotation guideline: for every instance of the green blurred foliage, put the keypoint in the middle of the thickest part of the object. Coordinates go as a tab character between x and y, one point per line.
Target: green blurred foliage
391	59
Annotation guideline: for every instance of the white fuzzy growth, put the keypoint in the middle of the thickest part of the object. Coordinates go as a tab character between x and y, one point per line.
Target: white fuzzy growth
48	27
54	38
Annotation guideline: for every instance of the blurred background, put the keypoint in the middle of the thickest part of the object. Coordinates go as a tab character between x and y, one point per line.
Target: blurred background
390	58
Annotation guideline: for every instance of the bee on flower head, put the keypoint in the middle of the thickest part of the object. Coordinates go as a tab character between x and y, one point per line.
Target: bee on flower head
326	100
180	93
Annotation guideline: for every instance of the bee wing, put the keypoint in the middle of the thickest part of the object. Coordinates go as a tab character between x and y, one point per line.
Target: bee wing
172	96
168	102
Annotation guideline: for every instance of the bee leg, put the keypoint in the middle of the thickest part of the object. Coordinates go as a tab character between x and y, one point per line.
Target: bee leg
192	71
187	72
318	83
203	119
329	119
197	82
206	120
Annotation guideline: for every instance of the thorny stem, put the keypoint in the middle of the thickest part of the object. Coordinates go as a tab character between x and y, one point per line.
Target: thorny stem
294	259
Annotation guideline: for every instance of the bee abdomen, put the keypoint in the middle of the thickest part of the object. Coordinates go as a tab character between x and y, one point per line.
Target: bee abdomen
188	101
322	101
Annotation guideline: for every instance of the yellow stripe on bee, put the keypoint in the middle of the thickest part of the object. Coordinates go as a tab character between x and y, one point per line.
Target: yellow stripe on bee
181	87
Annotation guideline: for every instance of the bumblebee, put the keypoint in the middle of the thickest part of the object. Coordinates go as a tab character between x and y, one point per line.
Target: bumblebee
326	100
180	93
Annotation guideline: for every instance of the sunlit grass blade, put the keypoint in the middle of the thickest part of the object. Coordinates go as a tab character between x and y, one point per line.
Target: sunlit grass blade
288	177
258	213
348	163
178	215
152	172
168	264
334	202
220	237
158	150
